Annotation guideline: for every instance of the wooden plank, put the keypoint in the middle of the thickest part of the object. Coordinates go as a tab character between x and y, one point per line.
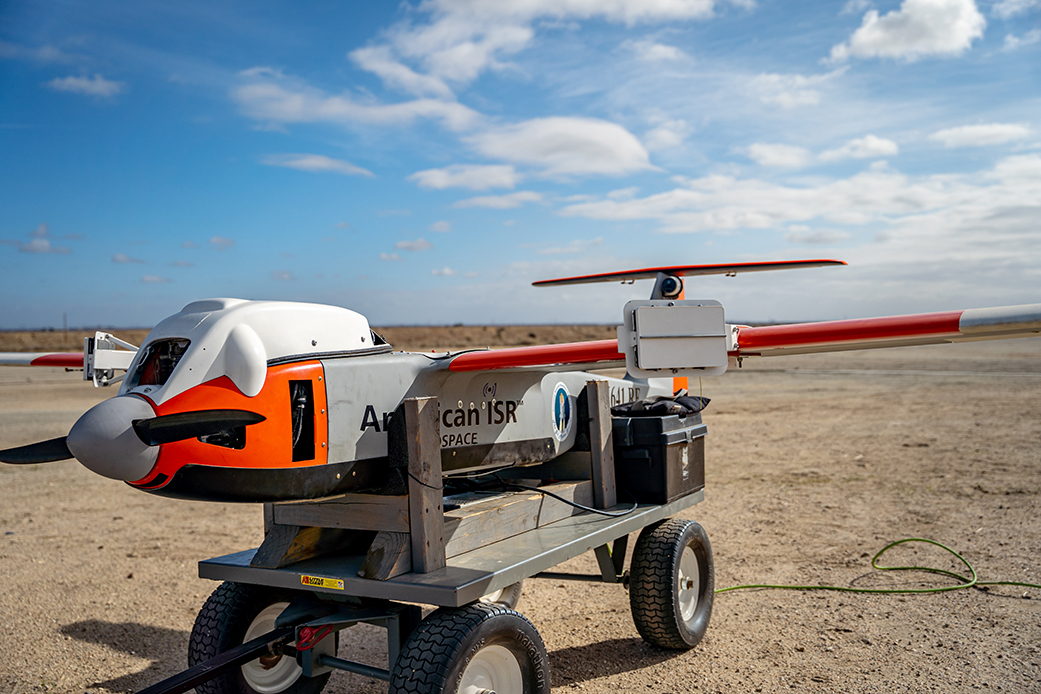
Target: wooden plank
483	523
269	517
348	511
426	516
288	544
476	525
389	555
601	444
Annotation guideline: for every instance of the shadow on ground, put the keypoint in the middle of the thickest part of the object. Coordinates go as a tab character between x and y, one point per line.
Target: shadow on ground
141	640
604	658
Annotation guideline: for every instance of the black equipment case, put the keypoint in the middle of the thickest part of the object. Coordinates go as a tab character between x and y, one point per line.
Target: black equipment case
659	459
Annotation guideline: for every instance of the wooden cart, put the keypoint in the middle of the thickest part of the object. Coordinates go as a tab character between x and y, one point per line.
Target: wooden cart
326	565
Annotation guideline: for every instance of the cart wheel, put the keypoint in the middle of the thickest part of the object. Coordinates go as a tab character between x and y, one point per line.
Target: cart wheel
481	647
234	614
507	597
671	584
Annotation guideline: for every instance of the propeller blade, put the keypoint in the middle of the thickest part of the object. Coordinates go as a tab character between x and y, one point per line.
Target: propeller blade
189	425
42	452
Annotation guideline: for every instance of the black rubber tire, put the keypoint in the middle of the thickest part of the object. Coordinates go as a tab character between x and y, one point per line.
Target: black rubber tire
654	591
222	623
509	597
437	653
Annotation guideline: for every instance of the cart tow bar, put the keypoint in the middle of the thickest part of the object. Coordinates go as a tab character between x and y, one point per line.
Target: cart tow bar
233	657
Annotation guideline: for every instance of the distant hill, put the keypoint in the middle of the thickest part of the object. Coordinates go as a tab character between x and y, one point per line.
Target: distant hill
401	337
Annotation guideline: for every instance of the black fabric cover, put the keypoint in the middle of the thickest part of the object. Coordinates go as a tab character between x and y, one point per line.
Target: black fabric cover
661	406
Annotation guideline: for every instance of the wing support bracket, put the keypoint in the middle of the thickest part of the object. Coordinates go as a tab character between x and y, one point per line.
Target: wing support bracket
101	359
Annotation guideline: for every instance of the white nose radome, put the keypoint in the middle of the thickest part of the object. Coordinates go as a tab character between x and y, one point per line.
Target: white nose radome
104	440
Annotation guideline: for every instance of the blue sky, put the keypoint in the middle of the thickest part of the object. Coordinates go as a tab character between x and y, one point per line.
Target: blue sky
425	162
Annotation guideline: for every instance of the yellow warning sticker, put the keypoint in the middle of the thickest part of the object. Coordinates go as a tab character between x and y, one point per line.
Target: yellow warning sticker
319	582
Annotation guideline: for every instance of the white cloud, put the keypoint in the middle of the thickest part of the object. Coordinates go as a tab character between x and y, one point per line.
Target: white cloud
981	135
1007	9
441	226
270	97
444	272
815	236
189	244
155	279
792	90
282	275
652	51
221	243
42	246
315	163
1013	42
390	257
1025	168
667	135
564	146
862	148
918	28
952	209
124	258
90	86
855	6
462	38
576	246
779	156
380	61
419	244
40	242
42	54
501	202
623	193
472	176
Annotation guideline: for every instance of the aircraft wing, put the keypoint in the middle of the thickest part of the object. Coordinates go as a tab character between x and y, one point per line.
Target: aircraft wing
70	360
797	338
894	331
599	352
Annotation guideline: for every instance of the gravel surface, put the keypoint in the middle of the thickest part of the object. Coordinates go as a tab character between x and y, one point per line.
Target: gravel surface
814	463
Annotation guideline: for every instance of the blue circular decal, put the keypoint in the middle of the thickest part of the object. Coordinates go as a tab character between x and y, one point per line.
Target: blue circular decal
561	412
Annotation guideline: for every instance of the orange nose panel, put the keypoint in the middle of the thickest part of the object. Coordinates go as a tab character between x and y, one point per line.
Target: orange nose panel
269	444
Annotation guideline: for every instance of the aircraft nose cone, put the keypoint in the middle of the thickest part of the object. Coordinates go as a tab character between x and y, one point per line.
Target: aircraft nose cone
104	440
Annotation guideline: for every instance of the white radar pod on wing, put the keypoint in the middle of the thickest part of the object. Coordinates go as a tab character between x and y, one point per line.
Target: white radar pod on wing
663	337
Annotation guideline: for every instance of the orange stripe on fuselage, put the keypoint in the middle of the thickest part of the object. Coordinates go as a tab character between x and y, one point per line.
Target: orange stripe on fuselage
269	444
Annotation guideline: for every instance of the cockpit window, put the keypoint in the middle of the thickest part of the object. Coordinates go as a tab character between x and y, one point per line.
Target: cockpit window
158	362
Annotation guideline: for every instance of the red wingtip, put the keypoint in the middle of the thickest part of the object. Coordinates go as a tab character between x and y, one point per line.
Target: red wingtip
70	360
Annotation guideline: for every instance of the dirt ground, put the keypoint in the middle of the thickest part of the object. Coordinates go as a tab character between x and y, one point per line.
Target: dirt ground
814	463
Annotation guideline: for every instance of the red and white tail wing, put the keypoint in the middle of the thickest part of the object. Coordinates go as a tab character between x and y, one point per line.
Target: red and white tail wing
70	360
893	331
687	271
